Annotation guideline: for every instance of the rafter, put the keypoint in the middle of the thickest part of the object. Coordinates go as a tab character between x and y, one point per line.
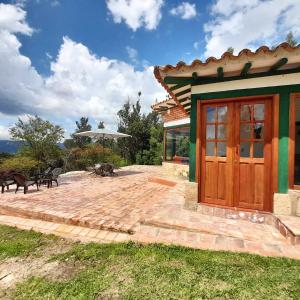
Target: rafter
281	62
246	68
220	72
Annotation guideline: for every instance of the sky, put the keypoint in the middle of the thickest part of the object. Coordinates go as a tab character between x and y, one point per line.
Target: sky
63	59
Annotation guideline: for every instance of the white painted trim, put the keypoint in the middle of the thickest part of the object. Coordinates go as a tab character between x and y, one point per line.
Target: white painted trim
188	86
277	80
177	122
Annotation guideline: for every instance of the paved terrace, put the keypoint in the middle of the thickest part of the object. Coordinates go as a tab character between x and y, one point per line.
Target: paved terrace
141	204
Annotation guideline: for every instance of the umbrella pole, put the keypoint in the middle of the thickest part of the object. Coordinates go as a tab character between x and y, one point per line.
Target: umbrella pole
103	148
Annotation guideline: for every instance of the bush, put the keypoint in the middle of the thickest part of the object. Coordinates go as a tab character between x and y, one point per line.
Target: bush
82	158
25	164
154	155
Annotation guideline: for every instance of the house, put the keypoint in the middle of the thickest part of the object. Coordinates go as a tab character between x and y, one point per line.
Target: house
242	115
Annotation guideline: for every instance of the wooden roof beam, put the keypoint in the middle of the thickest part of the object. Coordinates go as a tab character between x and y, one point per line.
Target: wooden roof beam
177	86
178	80
220	72
246	68
281	62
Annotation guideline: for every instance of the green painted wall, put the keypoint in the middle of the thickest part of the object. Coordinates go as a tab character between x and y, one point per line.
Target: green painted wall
193	138
284	92
283	155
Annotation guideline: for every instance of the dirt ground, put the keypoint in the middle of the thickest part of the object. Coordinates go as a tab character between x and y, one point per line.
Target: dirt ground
17	269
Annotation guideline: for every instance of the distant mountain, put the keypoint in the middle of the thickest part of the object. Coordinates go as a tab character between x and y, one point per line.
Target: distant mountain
8	146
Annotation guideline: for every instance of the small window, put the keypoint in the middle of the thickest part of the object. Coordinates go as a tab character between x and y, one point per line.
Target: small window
177	142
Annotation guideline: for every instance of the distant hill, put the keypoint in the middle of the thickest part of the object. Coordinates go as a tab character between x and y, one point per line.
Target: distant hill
7	146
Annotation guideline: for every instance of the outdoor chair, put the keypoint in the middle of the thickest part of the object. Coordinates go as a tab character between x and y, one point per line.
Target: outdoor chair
5	183
21	181
6	179
53	176
42	177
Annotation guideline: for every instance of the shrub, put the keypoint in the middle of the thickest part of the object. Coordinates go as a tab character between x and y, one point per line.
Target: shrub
82	158
25	164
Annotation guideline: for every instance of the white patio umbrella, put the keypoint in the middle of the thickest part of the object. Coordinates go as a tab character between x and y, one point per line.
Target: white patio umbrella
102	133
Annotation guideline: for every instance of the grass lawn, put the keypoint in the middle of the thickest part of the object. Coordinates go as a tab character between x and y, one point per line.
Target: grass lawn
132	271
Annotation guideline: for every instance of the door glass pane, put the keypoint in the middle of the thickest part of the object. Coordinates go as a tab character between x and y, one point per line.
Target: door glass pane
222	114
221	148
221	132
245	149
210	132
210	149
258	131
245	131
259	112
258	150
210	114
246	112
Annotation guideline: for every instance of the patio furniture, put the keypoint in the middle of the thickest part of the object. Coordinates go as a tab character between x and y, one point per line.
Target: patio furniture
42	177
104	169
5	183
21	181
53	176
6	179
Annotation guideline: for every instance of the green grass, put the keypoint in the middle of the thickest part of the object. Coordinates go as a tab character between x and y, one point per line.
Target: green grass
14	242
132	271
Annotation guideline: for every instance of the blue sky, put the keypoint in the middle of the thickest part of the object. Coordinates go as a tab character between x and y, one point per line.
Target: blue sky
63	59
90	23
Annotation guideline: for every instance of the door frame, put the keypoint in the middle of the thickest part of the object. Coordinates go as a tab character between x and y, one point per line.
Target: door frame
292	132
275	100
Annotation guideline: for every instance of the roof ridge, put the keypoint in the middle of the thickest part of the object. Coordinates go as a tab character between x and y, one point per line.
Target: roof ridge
198	62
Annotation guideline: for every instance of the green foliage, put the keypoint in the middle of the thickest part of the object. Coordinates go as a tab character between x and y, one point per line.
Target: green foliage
230	50
101	125
23	163
41	137
69	144
81	141
154	155
82	158
138	125
4	156
290	39
182	148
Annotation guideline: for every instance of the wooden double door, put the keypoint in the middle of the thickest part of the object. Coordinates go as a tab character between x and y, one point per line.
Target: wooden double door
236	154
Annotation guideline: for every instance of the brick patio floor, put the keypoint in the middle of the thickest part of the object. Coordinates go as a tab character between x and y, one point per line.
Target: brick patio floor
106	209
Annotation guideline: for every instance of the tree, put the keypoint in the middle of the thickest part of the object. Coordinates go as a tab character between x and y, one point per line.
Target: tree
290	39
138	125
40	136
154	155
82	125
230	50
101	125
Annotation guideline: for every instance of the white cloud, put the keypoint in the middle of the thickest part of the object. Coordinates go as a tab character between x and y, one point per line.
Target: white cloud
185	11
95	86
250	24
136	13
4	133
12	19
55	3
80	83
196	45
133	54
